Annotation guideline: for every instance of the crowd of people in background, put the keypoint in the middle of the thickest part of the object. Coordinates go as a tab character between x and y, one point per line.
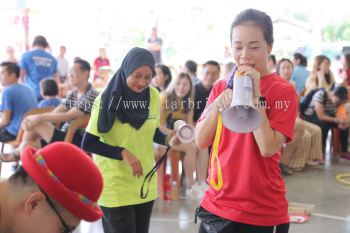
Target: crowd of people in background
40	80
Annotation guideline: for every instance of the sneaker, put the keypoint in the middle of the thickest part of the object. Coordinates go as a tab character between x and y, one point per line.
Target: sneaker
312	163
195	192
204	186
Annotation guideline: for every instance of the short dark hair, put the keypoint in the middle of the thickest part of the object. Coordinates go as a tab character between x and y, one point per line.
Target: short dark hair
11	67
259	18
213	63
191	66
40	41
341	92
301	58
166	71
272	58
21	177
49	87
84	65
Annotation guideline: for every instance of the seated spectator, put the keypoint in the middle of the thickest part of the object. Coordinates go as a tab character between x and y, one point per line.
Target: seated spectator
322	112
321	75
49	93
177	104
39	129
163	78
43	195
17	99
298	152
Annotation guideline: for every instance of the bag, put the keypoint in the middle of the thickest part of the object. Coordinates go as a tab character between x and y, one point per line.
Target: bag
305	102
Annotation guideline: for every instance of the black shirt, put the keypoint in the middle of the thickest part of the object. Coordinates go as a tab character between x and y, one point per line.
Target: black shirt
200	100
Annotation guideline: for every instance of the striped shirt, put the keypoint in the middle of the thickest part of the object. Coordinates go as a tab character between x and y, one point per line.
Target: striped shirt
84	104
318	97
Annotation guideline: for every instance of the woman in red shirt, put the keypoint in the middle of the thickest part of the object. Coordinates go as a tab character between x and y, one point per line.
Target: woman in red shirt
247	192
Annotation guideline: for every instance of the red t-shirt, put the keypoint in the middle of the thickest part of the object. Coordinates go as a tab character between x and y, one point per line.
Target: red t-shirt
100	62
253	190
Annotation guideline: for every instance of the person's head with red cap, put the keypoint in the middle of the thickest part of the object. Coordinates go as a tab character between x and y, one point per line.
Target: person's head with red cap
55	188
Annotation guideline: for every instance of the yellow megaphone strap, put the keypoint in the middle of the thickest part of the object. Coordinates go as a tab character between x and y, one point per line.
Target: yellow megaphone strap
217	186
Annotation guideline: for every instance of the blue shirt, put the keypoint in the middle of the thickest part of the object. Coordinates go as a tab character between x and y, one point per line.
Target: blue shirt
39	65
299	76
49	103
19	99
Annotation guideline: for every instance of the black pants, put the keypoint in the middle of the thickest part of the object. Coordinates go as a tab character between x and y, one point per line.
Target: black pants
127	219
211	223
325	127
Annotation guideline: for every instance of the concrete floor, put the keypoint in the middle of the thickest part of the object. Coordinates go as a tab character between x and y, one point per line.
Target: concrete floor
313	186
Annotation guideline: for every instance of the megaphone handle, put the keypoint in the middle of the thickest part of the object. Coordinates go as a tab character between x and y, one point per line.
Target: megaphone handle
150	174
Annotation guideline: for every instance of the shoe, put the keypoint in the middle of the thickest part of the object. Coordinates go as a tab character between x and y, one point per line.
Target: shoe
345	155
285	170
204	186
321	162
312	163
195	192
13	156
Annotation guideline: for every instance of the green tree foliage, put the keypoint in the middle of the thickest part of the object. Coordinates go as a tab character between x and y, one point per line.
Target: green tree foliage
337	32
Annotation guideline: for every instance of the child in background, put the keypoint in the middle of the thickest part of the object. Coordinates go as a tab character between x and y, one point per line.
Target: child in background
49	92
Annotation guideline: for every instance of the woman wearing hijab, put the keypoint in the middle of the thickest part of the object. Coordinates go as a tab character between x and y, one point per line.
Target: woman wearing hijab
124	124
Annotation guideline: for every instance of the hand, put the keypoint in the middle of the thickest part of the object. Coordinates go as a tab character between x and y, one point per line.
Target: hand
250	71
223	101
172	140
320	77
30	122
133	162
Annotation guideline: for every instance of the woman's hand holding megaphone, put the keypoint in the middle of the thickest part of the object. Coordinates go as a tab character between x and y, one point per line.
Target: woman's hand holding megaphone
255	75
172	139
223	101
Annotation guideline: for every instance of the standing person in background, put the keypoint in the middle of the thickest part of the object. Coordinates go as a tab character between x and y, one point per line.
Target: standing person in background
121	138
37	65
10	55
300	73
101	61
321	75
210	73
247	192
154	45
191	68
62	69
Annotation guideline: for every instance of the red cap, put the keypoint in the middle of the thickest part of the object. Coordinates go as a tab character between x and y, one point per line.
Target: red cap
68	175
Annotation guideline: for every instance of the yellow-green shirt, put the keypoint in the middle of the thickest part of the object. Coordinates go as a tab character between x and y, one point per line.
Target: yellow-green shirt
120	187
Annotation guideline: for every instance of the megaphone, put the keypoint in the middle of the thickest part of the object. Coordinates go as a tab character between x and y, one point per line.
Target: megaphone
242	116
185	132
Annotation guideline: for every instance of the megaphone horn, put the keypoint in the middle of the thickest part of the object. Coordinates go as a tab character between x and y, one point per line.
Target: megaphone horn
185	132
242	116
